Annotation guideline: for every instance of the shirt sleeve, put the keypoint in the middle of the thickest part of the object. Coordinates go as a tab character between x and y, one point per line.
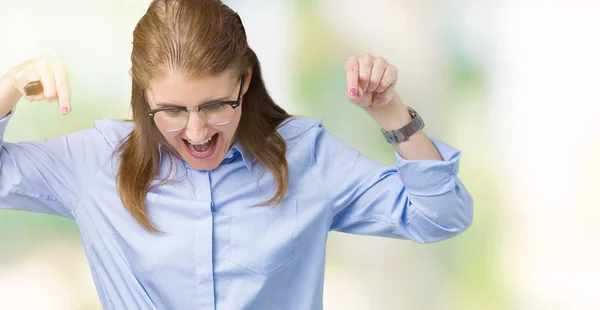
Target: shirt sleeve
420	200
48	176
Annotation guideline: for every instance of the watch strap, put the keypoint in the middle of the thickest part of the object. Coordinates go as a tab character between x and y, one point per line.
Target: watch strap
402	134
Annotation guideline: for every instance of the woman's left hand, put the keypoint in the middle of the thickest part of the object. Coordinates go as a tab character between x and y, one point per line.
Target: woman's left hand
370	81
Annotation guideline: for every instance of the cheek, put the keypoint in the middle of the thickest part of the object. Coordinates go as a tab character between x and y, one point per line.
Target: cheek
228	131
171	138
235	123
231	129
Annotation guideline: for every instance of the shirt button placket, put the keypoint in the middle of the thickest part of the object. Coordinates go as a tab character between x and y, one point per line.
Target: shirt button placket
203	240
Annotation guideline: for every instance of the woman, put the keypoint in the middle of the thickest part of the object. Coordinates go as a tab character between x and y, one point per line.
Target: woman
213	196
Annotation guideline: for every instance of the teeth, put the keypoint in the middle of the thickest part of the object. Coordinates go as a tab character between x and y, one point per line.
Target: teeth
200	143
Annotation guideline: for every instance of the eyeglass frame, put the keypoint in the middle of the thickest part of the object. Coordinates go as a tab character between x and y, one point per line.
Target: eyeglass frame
233	104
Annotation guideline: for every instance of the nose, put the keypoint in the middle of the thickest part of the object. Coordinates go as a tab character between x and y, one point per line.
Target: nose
196	130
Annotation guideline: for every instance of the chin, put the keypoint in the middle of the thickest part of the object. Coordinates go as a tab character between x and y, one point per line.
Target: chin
209	164
204	164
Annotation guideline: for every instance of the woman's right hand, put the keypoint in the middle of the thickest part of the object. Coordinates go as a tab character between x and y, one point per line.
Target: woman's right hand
53	76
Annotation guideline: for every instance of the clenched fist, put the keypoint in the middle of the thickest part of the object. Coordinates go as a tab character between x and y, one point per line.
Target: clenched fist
370	81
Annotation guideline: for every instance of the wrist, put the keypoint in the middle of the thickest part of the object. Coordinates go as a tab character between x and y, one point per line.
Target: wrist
9	95
391	116
8	79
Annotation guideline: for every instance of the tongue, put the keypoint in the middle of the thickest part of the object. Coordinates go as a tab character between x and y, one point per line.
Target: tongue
202	147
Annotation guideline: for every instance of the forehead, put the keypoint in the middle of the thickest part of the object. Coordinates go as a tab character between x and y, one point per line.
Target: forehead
184	90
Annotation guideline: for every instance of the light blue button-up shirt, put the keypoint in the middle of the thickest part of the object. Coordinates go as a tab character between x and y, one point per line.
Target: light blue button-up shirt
216	251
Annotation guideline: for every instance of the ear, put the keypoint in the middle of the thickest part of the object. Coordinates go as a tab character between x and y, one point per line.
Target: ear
247	80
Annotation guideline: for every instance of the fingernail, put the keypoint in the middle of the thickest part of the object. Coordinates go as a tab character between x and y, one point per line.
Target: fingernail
65	110
353	92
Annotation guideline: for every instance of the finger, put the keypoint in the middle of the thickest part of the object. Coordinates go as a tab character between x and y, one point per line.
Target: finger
389	79
23	77
379	66
63	88
365	67
20	82
45	72
351	68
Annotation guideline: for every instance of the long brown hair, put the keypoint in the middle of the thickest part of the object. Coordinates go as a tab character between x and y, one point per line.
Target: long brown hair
197	38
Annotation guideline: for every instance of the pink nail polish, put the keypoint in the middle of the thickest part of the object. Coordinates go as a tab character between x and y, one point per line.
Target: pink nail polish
353	92
65	110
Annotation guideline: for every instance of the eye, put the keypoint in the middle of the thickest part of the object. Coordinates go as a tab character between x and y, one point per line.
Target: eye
174	112
213	107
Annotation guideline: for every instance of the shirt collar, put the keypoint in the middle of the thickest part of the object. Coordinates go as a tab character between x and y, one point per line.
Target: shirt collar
238	148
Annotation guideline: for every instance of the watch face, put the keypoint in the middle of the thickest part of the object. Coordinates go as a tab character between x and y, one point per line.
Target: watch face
389	137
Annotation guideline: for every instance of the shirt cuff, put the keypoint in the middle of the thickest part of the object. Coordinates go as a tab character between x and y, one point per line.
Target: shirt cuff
430	177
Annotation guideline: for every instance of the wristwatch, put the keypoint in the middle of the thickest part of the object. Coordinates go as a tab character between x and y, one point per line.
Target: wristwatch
402	134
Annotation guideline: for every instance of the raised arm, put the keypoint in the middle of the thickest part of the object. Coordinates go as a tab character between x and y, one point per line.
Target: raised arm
45	176
420	198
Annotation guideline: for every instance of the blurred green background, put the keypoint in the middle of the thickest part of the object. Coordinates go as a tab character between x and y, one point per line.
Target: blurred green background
509	83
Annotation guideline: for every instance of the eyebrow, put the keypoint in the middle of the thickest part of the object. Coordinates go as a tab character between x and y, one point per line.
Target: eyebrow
172	105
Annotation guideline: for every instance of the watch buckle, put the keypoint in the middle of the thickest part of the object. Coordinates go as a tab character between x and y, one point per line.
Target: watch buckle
399	134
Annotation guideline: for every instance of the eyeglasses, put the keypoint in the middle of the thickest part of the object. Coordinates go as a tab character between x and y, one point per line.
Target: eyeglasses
214	113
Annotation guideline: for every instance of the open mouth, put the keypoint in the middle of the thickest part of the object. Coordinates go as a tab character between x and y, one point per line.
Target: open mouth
203	149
